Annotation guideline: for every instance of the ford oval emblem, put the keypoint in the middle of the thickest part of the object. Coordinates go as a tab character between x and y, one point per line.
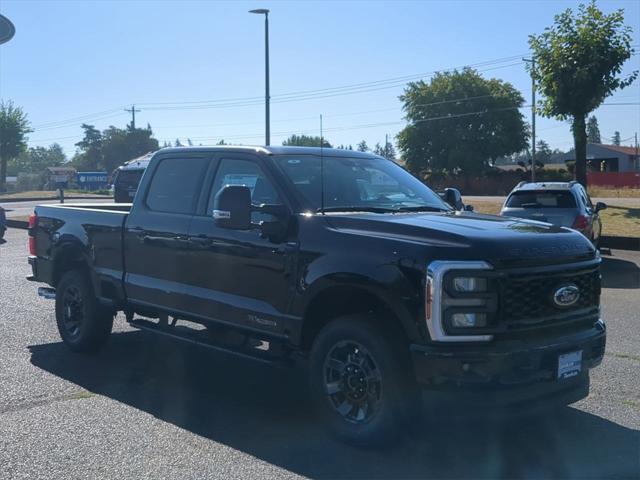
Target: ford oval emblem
566	295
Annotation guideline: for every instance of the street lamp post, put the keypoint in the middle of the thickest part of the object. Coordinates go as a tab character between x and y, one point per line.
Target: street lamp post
267	132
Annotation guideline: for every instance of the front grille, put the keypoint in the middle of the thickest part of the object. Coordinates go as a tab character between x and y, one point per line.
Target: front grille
527	298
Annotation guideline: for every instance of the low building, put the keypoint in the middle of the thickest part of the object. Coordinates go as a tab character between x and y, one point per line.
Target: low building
611	165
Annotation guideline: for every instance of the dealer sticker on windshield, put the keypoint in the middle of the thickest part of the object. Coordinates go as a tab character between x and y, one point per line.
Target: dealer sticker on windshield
569	364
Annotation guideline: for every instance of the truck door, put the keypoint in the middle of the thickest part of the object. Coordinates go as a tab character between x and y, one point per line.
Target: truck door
155	238
237	276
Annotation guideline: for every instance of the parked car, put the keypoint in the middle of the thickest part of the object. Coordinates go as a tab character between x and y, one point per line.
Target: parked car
340	260
127	178
3	222
558	203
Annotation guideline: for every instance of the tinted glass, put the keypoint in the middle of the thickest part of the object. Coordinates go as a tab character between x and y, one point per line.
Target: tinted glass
128	179
249	174
357	182
541	199
176	184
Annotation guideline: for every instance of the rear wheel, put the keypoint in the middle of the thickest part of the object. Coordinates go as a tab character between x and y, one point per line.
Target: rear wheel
83	323
360	381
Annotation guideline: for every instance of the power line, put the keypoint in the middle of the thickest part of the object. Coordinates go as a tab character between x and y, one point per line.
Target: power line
339	89
87	116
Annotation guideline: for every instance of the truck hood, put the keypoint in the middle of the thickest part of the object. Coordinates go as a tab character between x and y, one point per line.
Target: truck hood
503	240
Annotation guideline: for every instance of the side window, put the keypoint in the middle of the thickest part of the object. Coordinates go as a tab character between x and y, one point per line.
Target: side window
175	185
585	197
247	173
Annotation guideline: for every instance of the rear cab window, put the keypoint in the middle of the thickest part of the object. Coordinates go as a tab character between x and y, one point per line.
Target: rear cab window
175	185
541	199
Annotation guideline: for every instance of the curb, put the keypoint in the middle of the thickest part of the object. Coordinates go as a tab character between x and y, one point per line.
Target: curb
43	199
620	243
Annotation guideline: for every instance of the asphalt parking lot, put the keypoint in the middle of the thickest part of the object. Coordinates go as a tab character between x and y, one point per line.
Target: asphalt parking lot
147	407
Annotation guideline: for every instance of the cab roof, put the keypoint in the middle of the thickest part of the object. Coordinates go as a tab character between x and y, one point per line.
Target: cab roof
274	150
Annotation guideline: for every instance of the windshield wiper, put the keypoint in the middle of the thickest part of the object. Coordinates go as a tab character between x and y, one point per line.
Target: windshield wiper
357	209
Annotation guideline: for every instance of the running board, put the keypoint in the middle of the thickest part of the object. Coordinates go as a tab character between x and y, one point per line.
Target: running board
46	292
256	353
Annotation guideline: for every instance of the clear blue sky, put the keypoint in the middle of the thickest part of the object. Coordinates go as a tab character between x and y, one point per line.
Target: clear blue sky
71	59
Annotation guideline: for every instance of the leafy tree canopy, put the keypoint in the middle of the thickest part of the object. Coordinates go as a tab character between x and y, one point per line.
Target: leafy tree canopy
362	146
37	160
579	60
305	141
387	151
14	127
112	147
460	121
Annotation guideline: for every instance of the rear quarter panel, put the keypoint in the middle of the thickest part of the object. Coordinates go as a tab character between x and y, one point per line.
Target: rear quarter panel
87	234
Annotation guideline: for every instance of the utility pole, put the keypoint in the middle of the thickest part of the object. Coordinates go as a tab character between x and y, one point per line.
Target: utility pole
533	116
267	98
386	145
132	111
637	158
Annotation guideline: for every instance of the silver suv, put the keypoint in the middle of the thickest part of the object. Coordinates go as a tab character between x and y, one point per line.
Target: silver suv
558	203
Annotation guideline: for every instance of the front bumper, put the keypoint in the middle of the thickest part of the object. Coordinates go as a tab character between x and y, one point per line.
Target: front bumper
508	374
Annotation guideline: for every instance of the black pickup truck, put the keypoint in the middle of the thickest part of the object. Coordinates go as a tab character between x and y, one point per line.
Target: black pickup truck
342	261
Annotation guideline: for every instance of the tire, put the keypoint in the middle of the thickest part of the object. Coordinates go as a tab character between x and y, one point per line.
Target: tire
83	323
361	381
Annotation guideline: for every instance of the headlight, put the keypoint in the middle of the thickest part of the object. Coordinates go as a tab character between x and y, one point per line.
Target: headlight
468	320
461	301
469	284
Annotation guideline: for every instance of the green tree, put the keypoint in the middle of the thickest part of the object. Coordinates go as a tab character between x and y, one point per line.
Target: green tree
579	60
89	155
616	138
37	159
461	122
112	147
119	146
14	127
593	131
543	153
388	151
305	141
221	142
362	146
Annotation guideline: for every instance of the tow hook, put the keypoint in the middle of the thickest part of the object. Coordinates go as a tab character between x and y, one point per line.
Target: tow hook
47	292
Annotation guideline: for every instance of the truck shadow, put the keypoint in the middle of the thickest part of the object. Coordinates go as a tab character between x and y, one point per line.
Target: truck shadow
266	413
619	273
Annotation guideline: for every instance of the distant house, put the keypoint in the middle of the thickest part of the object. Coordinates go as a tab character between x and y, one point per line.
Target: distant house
609	158
611	165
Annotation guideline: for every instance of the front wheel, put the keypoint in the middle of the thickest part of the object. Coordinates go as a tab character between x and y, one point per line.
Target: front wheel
83	323
361	381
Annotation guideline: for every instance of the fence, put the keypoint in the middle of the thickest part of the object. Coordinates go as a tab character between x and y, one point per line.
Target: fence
614	179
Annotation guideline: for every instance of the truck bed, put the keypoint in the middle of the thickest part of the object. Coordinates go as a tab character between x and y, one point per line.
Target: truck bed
97	229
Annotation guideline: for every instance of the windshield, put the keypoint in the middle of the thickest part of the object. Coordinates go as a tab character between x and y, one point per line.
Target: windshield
541	199
350	184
